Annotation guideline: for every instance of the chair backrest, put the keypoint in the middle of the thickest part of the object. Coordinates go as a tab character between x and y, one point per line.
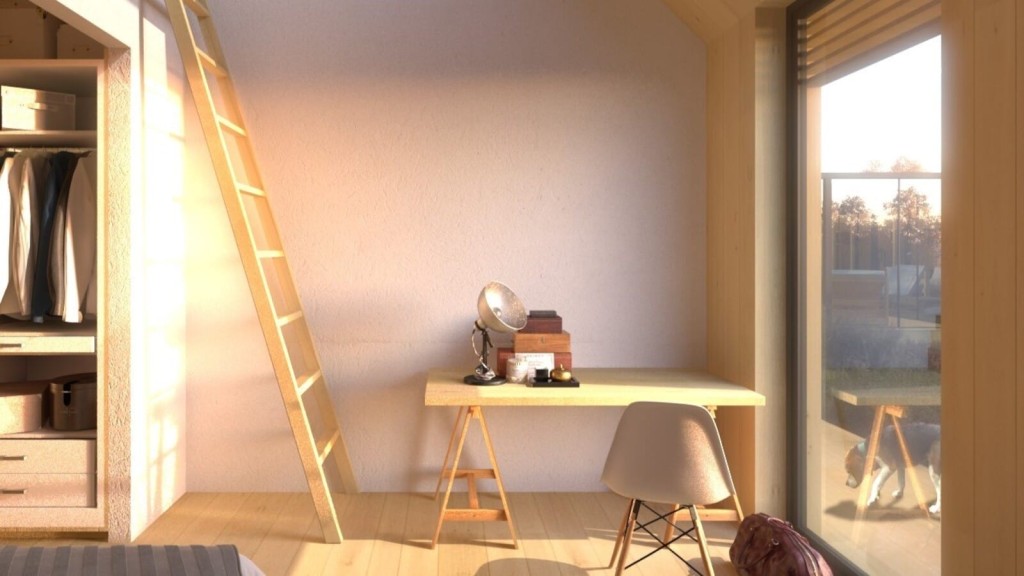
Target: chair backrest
668	453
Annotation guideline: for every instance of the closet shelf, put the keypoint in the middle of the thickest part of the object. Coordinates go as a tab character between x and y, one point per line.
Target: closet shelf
51	434
20	338
48	138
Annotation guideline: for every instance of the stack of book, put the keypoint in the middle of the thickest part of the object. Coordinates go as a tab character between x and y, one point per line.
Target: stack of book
542	342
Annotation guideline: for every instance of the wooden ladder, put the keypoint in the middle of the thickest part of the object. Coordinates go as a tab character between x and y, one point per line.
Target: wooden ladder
299	375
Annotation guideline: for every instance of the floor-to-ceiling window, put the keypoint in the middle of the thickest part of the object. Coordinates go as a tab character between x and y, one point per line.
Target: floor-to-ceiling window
868	197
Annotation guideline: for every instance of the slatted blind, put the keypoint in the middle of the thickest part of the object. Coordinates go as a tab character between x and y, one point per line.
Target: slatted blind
847	35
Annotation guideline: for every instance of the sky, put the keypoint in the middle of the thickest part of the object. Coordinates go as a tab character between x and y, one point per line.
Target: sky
887	110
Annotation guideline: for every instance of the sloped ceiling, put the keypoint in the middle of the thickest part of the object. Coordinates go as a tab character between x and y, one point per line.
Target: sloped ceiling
710	18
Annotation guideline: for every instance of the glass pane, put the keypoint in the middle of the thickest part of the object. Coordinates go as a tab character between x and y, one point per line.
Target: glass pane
872	291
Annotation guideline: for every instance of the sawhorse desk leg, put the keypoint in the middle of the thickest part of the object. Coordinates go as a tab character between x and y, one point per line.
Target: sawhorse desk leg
474	513
871	452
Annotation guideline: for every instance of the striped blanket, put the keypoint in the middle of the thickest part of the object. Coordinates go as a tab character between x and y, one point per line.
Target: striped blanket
125	560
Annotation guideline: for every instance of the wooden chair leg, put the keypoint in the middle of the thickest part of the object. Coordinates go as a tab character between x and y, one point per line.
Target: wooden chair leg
620	534
634	509
702	541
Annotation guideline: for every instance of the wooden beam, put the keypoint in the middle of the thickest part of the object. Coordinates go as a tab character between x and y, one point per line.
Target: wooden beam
958	323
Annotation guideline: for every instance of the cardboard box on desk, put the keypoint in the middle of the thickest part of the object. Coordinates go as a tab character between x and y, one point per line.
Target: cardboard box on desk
542	342
21	407
26	31
560	358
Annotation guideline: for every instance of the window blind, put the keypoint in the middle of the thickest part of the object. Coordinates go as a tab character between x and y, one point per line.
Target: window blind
847	35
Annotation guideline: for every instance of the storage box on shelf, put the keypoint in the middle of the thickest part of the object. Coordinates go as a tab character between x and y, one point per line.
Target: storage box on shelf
21	407
29	109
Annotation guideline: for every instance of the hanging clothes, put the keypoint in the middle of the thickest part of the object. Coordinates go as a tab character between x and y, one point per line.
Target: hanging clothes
79	244
5	222
62	166
48	253
17	298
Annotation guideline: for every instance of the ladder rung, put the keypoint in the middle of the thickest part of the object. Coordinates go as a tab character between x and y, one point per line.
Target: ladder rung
211	64
230	125
250	190
265	254
283	320
199	8
325	449
307	382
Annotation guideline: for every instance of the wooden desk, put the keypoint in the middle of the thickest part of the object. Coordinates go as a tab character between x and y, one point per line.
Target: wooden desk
598	387
890	402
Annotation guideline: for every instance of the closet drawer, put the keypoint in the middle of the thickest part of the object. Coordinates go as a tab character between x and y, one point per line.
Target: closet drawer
47	490
47	456
18	344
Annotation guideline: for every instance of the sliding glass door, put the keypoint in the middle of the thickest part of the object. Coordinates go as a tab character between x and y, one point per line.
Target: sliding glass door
868	197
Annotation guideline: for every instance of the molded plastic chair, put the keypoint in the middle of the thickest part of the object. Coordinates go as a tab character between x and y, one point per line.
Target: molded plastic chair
669	453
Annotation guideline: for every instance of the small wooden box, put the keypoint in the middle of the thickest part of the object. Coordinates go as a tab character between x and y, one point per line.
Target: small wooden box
546	324
21	407
541	342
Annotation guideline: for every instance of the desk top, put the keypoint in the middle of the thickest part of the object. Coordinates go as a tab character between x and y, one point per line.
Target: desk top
898	396
598	387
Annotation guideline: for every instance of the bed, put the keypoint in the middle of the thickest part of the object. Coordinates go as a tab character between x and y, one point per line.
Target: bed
223	560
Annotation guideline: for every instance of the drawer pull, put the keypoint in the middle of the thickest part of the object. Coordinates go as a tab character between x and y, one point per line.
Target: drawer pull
12	458
10	344
13	491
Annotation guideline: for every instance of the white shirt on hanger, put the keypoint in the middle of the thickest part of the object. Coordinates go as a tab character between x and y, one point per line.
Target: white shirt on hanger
79	242
17	299
5	223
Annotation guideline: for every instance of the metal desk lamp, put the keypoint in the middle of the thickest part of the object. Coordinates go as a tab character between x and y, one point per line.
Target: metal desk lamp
502	311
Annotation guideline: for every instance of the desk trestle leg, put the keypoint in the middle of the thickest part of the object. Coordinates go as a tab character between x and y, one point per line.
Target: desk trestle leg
894	413
474	513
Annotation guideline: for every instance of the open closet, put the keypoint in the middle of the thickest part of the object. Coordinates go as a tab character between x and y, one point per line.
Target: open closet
52	376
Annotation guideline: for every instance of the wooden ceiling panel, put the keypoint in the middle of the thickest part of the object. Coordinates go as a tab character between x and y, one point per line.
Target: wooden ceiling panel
707	18
710	18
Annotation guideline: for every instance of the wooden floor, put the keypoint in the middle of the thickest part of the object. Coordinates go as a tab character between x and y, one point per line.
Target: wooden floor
389	534
559	533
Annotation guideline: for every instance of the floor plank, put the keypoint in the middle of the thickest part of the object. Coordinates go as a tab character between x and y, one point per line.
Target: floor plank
275	553
417	558
385	534
567	534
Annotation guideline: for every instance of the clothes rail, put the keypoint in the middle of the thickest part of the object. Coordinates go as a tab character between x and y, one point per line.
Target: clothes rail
80	152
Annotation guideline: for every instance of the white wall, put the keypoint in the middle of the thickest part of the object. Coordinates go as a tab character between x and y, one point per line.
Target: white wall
414	151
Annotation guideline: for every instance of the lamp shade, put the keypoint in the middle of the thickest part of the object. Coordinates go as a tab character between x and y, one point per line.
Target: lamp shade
500	309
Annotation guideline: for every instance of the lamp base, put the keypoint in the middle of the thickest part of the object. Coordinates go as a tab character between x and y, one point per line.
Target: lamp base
478	381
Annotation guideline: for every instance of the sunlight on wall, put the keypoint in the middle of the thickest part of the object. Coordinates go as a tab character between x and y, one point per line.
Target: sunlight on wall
159	399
